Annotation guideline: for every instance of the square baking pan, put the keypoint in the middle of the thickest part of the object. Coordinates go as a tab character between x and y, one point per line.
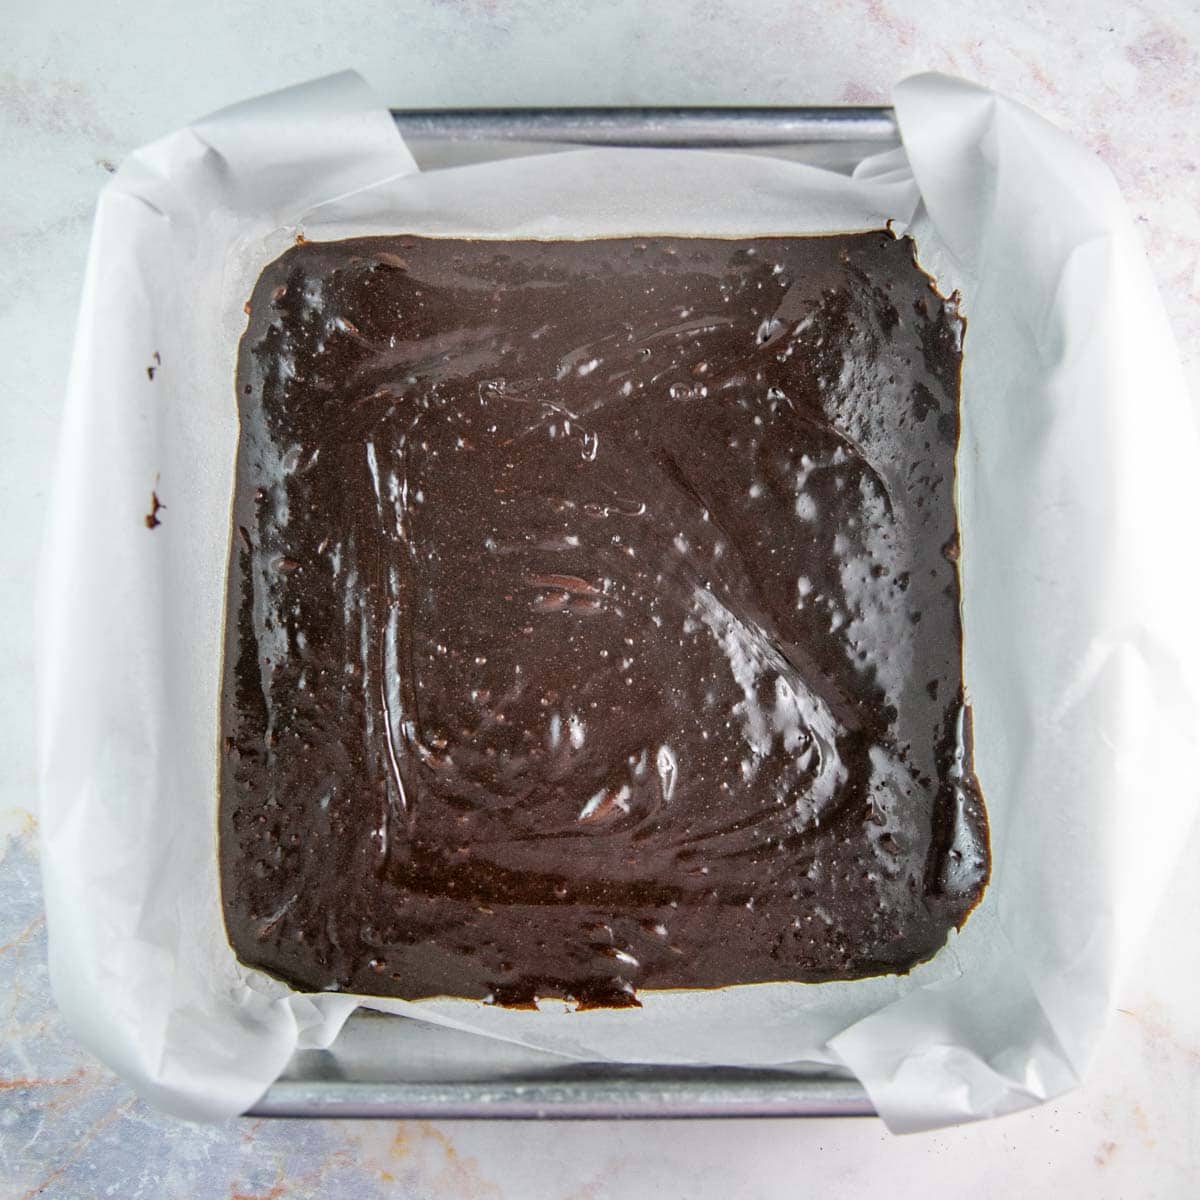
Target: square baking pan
393	1067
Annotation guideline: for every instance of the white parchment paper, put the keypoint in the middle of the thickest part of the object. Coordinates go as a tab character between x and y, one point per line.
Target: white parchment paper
1076	485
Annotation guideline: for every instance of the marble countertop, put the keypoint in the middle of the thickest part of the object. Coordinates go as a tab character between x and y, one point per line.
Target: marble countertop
81	84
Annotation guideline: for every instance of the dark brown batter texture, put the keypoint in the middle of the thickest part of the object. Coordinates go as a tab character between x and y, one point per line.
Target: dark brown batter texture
593	619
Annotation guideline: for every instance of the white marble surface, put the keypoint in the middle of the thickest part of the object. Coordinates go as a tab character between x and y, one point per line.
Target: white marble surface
82	83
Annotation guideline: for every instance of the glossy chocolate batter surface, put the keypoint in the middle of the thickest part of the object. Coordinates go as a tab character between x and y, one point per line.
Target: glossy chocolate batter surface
593	619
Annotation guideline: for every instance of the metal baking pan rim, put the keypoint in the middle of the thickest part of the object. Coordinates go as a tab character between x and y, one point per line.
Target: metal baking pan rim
687	128
617	1098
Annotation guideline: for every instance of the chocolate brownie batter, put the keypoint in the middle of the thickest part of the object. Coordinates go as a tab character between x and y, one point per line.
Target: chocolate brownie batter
593	619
